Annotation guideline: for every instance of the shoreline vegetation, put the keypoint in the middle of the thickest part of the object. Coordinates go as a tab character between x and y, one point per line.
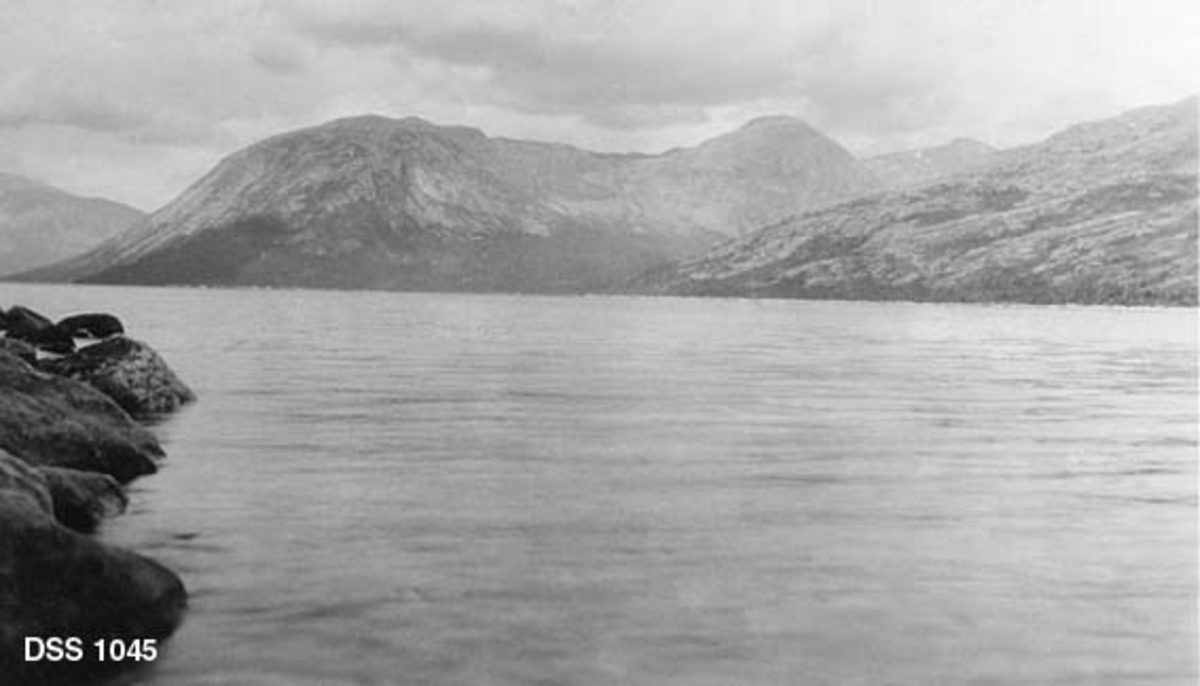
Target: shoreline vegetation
76	397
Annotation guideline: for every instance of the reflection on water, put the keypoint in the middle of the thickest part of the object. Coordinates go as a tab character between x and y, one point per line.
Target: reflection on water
453	489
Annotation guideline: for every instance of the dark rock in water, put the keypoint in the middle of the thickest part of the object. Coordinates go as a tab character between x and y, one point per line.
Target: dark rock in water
47	420
65	447
26	325
19	348
82	499
21	322
54	340
92	325
56	582
78	500
129	372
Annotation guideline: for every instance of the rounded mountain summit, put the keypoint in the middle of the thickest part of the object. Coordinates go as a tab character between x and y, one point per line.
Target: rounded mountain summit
404	204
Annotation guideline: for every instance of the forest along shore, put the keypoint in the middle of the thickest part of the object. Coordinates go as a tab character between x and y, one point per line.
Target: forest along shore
75	397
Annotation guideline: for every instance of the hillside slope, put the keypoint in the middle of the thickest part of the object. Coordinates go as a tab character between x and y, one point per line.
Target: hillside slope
370	202
1103	212
40	224
914	168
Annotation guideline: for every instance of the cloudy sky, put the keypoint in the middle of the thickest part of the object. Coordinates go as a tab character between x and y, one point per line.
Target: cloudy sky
134	99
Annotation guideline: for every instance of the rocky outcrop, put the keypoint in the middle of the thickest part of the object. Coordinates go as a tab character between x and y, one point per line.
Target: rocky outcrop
129	372
23	324
26	331
92	325
65	450
56	582
78	500
19	349
83	499
53	421
18	477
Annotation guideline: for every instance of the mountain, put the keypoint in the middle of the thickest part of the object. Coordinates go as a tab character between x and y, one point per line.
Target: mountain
1103	212
40	224
920	167
371	202
771	168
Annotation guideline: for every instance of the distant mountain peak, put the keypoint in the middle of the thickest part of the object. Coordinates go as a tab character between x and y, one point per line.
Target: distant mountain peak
777	123
40	224
972	143
773	119
8	181
1101	212
774	135
378	202
787	151
379	123
911	168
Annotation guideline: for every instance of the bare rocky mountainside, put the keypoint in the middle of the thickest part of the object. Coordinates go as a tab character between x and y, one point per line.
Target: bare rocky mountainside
370	202
920	167
1103	212
40	225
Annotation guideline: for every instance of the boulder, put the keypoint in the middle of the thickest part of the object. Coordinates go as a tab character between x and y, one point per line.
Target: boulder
65	447
53	340
129	372
78	500
26	325
82	499
91	325
19	348
48	420
15	475
56	582
21	322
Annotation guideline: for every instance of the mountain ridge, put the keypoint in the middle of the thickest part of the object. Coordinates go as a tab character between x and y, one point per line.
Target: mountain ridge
912	168
41	224
1103	212
362	193
1100	212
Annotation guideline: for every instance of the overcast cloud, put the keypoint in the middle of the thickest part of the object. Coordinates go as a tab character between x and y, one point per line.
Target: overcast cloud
134	99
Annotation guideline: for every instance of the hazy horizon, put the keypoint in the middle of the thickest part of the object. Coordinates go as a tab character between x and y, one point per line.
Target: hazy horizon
133	101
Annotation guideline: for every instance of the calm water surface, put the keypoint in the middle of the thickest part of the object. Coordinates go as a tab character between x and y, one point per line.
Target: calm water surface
463	489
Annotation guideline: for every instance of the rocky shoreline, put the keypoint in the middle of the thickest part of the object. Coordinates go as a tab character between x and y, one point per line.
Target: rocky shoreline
74	399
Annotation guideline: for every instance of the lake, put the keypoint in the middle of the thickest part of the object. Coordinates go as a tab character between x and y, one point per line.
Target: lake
387	488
